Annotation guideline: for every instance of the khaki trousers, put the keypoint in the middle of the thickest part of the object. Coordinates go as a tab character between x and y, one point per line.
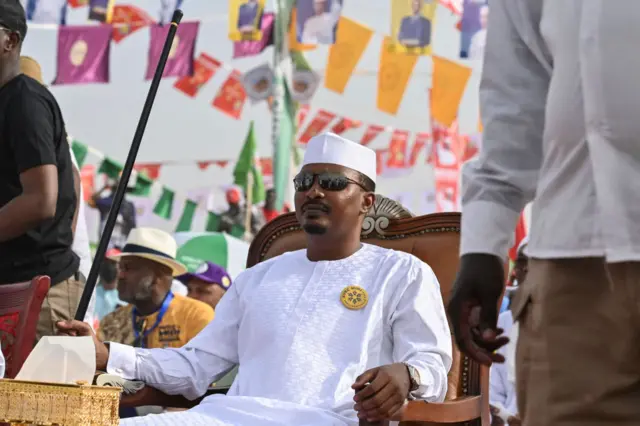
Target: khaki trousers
578	351
60	304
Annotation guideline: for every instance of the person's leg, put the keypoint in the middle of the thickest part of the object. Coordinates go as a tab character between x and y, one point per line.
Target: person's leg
582	342
60	304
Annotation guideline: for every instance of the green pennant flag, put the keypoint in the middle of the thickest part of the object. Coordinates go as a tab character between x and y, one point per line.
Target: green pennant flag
80	151
164	206
299	61
237	231
213	222
248	163
143	186
110	168
284	143
186	219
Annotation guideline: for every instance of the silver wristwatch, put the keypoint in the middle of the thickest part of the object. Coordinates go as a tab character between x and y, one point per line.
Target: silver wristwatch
414	377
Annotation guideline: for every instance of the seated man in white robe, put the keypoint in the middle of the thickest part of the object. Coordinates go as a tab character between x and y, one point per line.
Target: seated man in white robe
323	336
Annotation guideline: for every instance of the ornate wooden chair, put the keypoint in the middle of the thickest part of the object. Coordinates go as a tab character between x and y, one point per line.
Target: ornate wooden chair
432	238
20	306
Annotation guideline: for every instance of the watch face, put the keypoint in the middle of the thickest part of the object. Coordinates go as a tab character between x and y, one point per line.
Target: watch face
414	376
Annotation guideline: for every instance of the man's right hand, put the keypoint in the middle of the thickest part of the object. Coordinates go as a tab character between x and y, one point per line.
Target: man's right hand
79	328
473	307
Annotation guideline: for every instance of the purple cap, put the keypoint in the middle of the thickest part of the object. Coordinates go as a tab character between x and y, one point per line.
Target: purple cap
208	272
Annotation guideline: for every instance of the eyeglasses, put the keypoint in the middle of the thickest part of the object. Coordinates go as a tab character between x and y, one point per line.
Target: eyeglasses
327	181
9	31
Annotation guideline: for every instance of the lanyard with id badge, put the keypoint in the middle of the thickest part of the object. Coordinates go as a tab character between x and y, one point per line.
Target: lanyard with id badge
142	332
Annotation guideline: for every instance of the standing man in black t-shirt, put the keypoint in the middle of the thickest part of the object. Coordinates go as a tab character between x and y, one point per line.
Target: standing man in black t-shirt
37	196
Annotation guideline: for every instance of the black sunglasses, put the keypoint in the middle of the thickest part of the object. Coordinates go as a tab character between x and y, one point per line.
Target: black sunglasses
327	181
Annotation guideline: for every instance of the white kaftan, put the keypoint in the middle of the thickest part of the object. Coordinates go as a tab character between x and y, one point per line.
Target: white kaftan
299	349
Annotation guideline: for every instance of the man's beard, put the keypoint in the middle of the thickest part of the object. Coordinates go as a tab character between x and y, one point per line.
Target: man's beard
313	229
143	292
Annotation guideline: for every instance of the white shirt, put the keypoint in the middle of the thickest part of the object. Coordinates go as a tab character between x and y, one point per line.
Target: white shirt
319	29
299	349
559	96
2	365
502	391
478	42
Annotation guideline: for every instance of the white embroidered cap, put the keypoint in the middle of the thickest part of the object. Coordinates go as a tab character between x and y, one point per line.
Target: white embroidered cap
329	148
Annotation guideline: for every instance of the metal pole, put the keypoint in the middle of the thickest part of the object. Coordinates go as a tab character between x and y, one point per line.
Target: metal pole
126	172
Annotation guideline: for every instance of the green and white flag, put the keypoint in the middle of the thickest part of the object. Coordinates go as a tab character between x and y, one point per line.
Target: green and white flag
194	248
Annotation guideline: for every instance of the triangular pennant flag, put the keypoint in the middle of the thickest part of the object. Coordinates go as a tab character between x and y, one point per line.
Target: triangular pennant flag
345	124
293	37
351	41
266	165
245	48
186	218
419	144
151	170
180	61
164	206
302	114
101	10
449	83
380	163
78	3
370	134
395	70
80	151
127	19
398	150
46	11
83	54
249	164
143	185
204	165
213	222
222	163
237	231
231	97
110	168
204	68
317	125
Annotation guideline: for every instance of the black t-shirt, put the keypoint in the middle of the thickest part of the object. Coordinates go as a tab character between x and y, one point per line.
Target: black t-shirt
32	134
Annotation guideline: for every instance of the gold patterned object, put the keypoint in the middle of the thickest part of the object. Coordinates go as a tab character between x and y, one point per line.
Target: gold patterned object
35	403
354	297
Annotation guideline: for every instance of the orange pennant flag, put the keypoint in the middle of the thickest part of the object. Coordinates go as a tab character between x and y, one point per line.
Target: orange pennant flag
294	44
395	70
449	83
352	39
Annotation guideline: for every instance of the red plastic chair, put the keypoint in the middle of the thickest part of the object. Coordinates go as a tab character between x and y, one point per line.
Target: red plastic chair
20	306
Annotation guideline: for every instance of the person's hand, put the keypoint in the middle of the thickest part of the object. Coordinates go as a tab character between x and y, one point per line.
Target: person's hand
514	421
495	419
381	392
79	328
473	307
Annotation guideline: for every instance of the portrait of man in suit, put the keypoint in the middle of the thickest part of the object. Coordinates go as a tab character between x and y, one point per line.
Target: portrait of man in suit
318	20
248	15
415	29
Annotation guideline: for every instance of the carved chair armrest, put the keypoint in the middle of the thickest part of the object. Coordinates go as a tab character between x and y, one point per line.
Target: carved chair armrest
152	396
459	410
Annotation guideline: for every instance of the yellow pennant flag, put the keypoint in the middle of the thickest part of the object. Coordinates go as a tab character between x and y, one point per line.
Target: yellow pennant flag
394	73
449	82
352	39
294	44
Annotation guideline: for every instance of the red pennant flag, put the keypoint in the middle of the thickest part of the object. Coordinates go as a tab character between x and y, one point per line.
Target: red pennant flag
88	181
204	68
380	157
204	165
78	3
317	125
302	114
128	19
419	144
521	232
471	147
345	124
222	163
370	134
454	6
266	165
398	150
447	146
231	97
151	170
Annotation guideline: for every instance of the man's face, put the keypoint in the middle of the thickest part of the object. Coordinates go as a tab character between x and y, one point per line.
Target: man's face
319	6
136	279
325	211
416	6
205	292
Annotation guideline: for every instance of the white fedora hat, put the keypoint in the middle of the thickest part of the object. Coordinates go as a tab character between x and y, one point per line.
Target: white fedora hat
152	244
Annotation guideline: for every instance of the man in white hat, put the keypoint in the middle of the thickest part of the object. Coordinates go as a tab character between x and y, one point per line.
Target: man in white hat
155	316
325	335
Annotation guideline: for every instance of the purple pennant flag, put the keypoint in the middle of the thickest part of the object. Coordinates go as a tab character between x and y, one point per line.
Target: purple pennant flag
249	47
180	62
83	54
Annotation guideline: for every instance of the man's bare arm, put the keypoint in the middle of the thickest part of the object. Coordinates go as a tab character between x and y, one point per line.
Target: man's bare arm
36	204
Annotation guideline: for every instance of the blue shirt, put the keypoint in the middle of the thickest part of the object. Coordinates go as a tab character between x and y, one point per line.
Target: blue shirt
106	301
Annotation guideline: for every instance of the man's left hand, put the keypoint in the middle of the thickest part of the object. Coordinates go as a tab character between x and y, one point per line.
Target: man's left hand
381	392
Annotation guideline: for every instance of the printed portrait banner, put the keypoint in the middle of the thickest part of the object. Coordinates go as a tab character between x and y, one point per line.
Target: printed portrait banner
447	191
83	54
473	29
294	45
398	150
252	47
245	20
180	61
101	10
317	21
421	143
412	23
204	68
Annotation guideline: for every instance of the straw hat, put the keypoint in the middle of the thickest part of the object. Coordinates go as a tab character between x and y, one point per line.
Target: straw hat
152	244
31	68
